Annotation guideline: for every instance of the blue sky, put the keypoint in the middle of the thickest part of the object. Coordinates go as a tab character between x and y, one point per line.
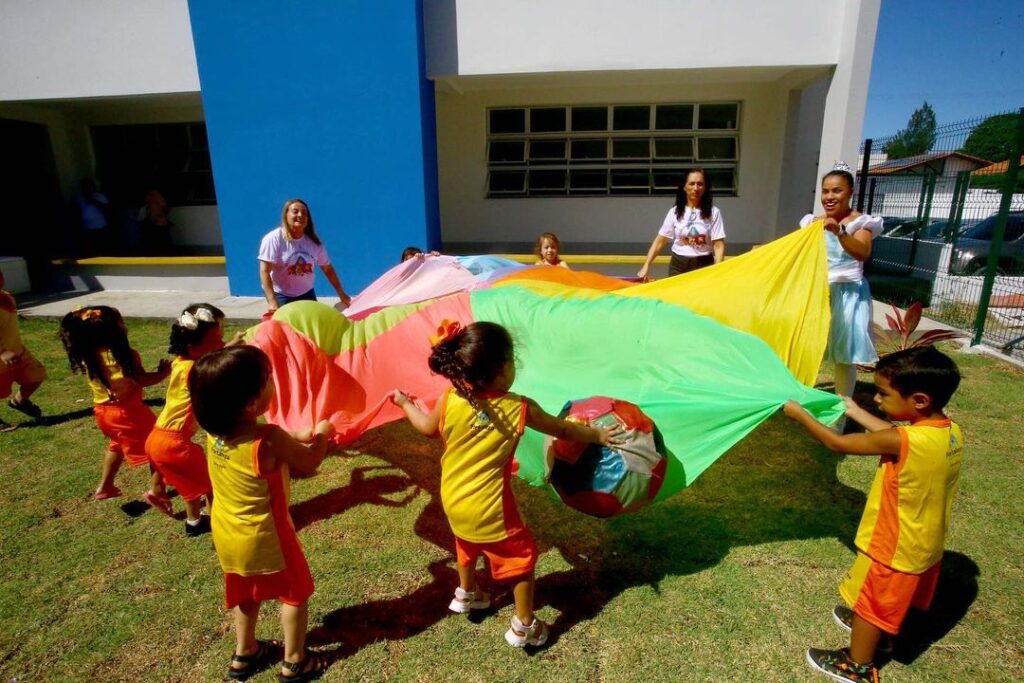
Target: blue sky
964	57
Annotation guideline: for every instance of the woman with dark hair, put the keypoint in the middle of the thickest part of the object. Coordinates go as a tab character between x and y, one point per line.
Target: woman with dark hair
287	256
694	227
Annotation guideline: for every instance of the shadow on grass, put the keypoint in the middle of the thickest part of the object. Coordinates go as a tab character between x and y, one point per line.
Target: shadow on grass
51	420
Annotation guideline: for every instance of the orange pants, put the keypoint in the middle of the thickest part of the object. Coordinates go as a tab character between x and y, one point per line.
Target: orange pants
881	595
127	425
180	462
509	558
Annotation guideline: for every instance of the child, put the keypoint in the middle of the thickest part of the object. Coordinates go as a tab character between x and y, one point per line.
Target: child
17	364
253	532
547	249
903	530
96	341
169	446
480	424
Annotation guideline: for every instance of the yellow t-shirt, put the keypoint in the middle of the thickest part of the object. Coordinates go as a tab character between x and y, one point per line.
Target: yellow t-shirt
177	413
908	508
10	335
242	519
477	465
119	383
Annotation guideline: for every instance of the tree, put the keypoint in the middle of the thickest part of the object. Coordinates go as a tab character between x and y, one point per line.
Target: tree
992	139
917	138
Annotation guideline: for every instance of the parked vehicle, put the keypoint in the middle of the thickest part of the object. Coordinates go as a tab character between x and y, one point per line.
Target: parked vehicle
970	253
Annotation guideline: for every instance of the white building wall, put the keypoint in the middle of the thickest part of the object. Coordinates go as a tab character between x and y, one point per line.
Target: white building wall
53	49
472	37
468	216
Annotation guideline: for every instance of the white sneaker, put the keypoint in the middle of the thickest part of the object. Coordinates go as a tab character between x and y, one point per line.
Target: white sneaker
465	602
536	634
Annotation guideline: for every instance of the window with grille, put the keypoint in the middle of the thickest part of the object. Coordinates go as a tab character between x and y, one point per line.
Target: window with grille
604	150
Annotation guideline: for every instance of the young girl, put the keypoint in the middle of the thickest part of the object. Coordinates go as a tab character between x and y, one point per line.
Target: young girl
96	341
169	446
253	532
547	248
480	423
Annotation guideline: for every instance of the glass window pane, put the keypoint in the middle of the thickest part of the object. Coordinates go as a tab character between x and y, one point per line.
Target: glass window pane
547	120
722	180
507	181
589	149
197	131
718	116
586	180
507	151
710	149
199	160
631	178
547	181
632	118
674	117
589	118
507	121
631	148
668	178
673	148
541	150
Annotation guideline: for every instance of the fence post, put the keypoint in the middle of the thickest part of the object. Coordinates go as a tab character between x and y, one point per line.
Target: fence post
871	196
864	174
956	209
924	212
995	251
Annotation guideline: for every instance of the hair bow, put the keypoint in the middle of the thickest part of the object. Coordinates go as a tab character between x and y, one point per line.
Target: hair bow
84	313
445	331
188	321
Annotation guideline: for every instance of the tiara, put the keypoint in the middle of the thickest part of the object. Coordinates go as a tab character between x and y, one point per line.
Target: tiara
842	166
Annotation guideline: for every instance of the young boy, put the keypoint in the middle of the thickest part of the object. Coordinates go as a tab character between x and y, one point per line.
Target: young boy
903	529
17	364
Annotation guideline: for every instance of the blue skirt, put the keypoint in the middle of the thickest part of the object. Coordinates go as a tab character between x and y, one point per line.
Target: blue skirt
849	336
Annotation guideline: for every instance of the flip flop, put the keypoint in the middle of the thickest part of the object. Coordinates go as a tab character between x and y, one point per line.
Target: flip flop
7	427
107	493
157	503
27	407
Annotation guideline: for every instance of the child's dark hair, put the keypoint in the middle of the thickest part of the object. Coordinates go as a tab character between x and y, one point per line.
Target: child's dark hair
473	357
923	369
222	383
547	236
192	325
85	331
409	252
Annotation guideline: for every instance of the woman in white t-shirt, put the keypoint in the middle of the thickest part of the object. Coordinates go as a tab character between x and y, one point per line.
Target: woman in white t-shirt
694	227
287	256
847	245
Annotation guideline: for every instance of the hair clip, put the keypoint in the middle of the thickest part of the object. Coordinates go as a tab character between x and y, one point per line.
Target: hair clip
85	313
188	321
842	166
448	329
205	315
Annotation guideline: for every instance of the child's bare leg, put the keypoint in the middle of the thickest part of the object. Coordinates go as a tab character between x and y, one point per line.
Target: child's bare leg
111	463
156	483
294	620
246	615
467	578
522	592
863	640
193	508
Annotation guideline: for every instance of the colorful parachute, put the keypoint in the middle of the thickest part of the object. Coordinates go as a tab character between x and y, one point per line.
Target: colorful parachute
705	355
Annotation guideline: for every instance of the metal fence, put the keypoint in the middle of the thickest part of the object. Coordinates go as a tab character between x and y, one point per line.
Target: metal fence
954	228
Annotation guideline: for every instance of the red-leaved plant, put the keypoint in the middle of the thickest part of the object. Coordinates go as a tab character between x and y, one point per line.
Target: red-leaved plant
901	334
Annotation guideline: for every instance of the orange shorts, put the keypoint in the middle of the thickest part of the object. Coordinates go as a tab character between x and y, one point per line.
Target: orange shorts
881	595
509	558
180	462
127	425
27	370
291	586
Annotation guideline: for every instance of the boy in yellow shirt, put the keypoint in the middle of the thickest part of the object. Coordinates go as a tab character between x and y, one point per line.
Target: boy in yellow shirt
17	364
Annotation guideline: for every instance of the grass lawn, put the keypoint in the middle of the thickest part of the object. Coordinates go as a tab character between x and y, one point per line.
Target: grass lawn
728	581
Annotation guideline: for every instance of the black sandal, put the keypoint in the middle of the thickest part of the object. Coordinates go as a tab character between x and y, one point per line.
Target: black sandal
312	666
267	652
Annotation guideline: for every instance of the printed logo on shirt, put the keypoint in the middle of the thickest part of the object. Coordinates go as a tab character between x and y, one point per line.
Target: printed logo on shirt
219	452
690	235
300	263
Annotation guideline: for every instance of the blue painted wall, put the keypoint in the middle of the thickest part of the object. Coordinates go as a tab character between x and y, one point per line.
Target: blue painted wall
326	101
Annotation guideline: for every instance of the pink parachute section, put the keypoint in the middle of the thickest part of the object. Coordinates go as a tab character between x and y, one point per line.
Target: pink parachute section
347	387
418	279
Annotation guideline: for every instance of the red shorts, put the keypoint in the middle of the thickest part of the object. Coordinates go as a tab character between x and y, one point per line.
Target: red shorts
881	595
26	371
291	586
509	558
127	425
180	462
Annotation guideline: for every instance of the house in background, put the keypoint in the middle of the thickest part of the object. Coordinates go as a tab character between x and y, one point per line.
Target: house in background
465	125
